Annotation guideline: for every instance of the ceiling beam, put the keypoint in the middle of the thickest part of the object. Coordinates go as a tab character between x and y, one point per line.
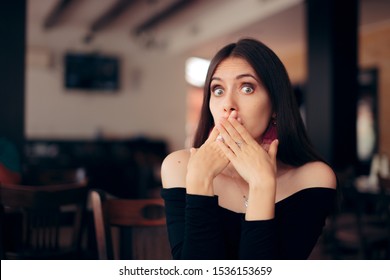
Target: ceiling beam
162	16
110	15
209	29
56	13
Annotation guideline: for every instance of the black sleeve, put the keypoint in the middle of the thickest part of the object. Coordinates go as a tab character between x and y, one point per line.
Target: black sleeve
257	240
193	225
294	231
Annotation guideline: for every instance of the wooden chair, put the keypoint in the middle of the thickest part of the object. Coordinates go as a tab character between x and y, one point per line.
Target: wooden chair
384	186
358	232
141	223
41	211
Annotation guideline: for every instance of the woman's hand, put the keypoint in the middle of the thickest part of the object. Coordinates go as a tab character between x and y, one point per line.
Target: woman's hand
204	165
254	163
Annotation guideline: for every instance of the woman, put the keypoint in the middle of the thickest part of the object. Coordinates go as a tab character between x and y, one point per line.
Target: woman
253	187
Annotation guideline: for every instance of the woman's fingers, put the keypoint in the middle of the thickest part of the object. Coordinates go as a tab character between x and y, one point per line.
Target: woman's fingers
192	151
213	135
244	134
273	150
231	141
235	128
233	133
228	153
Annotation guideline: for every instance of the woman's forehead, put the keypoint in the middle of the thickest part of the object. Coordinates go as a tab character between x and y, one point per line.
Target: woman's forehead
232	67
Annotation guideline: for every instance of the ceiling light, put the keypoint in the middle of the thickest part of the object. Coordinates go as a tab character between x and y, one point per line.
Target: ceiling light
196	70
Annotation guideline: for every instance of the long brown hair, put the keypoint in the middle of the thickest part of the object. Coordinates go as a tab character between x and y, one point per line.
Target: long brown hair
294	146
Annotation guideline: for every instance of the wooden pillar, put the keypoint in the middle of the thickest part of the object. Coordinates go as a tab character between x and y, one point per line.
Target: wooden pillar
332	79
12	71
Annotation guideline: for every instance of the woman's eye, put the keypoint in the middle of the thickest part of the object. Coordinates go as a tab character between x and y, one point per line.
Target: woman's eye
218	91
247	89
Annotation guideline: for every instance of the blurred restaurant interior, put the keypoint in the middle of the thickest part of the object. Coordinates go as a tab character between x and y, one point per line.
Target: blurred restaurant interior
95	94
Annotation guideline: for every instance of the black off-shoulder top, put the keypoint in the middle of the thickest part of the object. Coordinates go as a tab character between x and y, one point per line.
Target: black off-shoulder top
199	228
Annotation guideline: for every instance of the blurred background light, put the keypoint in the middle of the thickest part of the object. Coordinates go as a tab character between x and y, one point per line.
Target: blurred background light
196	70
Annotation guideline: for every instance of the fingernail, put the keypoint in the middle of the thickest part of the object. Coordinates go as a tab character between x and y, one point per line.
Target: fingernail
219	138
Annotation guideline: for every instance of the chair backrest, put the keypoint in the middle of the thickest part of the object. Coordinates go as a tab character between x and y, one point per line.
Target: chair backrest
55	176
384	184
360	228
41	210
123	213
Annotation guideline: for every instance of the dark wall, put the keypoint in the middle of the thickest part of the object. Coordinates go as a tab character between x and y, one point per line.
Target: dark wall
12	70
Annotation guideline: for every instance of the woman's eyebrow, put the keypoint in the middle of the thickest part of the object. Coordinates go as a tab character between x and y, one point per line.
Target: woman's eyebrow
247	75
237	77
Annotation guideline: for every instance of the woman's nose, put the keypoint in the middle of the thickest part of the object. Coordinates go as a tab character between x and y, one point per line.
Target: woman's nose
229	104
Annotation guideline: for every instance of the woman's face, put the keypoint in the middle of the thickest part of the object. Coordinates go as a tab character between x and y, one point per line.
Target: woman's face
235	86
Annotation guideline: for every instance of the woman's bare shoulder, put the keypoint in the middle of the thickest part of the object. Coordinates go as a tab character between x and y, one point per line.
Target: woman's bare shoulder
174	169
316	174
